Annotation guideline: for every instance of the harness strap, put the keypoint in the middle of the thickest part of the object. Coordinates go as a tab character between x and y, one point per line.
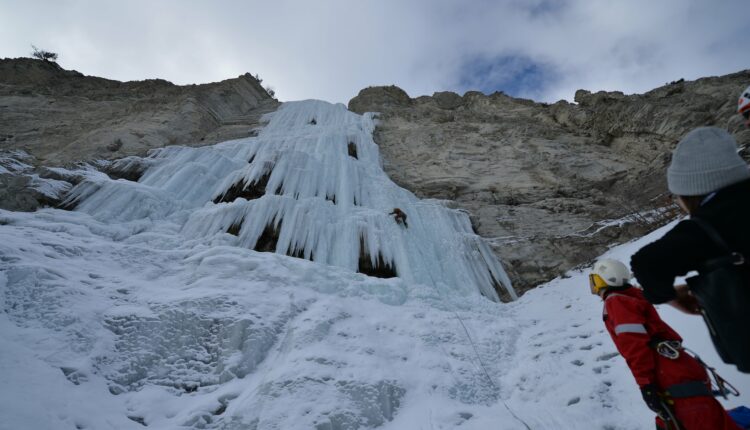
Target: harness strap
688	389
712	234
733	259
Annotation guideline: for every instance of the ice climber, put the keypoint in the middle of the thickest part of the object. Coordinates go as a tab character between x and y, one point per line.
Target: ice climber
399	216
743	106
673	383
711	183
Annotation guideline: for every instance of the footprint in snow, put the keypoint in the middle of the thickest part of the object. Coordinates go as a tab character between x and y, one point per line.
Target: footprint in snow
607	356
599	369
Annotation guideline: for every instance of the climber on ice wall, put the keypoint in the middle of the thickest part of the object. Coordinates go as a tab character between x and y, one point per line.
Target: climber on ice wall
399	216
674	384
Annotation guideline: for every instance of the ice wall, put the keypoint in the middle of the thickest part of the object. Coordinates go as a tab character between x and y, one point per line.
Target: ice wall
310	184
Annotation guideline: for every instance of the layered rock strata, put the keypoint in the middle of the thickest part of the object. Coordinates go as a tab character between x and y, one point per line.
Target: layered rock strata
60	117
552	185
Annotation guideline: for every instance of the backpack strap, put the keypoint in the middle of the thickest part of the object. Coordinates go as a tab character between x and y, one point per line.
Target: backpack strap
712	234
730	257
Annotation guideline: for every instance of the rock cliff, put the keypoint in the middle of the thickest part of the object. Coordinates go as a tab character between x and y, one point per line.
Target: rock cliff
60	117
551	185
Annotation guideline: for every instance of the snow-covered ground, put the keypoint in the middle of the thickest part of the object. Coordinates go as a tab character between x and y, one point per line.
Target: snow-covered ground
139	309
569	359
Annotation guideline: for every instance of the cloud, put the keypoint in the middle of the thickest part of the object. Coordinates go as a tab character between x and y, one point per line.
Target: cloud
330	49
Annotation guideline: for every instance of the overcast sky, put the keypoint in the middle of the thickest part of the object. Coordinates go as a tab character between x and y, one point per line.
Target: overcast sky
539	49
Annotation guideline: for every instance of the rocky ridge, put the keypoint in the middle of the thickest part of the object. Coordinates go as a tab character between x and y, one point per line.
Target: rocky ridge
60	117
552	185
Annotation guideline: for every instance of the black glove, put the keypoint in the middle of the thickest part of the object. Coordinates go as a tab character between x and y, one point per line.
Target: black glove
651	396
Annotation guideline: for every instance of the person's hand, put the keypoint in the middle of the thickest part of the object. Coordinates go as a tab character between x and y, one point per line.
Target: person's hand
685	301
651	397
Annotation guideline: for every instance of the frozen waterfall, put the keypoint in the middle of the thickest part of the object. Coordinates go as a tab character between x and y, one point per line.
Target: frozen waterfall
309	185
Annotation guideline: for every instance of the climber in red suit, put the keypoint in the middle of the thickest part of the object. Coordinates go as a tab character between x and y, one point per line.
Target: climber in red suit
673	383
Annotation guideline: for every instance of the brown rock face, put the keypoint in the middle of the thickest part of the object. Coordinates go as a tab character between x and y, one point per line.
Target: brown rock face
61	116
382	97
551	186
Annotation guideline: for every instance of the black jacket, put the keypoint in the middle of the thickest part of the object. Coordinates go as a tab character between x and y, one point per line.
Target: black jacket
686	246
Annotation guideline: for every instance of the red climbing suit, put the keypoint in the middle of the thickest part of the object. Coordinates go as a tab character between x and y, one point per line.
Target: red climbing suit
633	324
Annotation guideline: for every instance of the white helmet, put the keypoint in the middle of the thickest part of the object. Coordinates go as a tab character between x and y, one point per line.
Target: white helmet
610	273
743	104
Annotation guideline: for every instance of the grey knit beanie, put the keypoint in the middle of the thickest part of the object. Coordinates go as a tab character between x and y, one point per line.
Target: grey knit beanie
704	161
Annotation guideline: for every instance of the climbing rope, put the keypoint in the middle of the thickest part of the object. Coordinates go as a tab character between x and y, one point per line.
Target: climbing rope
723	387
486	373
279	347
476	353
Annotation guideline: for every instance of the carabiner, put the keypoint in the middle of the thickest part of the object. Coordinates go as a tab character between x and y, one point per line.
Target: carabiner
669	349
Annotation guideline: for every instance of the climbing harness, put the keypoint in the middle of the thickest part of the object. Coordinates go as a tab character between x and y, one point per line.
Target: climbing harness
672	349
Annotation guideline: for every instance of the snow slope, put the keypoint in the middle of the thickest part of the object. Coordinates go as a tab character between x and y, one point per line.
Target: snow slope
571	363
139	309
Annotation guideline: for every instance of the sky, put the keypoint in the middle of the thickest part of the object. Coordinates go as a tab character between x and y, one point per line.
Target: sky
331	49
